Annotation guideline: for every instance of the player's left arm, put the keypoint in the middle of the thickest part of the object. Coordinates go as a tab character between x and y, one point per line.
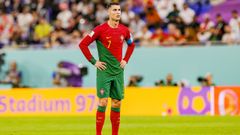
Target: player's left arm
130	48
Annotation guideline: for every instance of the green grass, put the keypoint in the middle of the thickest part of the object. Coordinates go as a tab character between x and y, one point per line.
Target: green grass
187	125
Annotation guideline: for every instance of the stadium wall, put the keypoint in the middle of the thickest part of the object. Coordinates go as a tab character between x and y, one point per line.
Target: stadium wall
152	63
152	101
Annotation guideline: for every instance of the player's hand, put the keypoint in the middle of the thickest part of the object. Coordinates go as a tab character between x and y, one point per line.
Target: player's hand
123	63
100	65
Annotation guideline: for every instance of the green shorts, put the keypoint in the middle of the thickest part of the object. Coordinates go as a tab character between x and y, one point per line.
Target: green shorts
110	85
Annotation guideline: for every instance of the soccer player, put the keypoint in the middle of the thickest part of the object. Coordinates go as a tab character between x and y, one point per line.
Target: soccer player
109	37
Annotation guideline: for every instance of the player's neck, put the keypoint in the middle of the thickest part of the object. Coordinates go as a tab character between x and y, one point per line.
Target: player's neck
113	23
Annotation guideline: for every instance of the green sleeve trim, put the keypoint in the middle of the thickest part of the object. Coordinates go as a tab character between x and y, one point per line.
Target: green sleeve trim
93	61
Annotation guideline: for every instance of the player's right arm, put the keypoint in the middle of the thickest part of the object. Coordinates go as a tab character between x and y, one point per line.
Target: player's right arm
86	41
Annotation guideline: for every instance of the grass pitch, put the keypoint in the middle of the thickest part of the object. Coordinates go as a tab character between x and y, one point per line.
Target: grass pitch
176	125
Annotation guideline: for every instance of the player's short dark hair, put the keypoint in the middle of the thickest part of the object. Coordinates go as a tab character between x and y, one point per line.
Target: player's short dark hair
112	3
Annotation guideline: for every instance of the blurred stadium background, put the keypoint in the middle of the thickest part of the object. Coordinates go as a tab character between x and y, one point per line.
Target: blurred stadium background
183	77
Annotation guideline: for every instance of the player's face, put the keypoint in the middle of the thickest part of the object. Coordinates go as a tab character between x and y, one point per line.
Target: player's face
115	12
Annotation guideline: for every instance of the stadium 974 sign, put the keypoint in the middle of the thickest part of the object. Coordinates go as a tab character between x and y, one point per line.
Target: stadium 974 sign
157	101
